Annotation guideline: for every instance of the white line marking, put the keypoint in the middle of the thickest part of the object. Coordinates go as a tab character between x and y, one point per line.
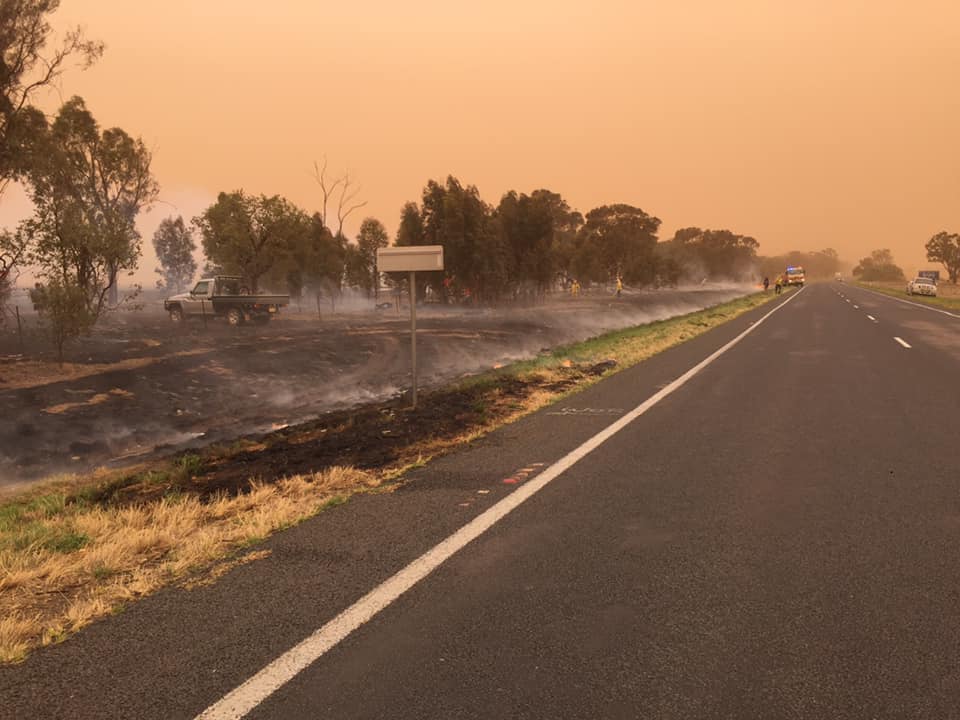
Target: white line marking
903	342
240	701
909	302
872	317
856	307
848	300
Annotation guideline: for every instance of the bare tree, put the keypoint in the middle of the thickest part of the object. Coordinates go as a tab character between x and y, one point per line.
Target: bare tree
347	196
327	187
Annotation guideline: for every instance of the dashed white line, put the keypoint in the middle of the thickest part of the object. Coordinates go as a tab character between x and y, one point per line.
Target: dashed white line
908	302
241	700
872	317
857	307
903	342
848	299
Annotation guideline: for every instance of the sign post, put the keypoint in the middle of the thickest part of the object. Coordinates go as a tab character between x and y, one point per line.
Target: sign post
413	335
422	258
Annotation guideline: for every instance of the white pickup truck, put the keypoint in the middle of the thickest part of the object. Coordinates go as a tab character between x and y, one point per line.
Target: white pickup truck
224	296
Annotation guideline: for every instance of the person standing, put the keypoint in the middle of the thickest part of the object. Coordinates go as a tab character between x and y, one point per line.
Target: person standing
766	283
778	288
619	286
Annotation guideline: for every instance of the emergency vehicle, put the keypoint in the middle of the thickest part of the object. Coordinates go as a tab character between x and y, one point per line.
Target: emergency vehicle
794	276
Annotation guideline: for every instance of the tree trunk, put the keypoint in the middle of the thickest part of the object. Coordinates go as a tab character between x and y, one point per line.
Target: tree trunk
114	297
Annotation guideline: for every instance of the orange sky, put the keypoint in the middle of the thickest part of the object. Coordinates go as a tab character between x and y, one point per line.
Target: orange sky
822	123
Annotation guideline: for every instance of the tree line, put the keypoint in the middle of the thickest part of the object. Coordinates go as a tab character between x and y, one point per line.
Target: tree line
521	247
943	247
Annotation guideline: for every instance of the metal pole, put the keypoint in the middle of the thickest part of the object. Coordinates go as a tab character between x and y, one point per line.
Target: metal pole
413	333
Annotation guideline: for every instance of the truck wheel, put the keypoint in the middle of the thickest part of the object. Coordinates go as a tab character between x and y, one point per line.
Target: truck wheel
234	317
176	316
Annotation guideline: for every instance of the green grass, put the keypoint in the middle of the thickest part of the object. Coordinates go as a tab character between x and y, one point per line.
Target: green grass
334	502
22	525
187	466
101	572
44	506
67	541
32	533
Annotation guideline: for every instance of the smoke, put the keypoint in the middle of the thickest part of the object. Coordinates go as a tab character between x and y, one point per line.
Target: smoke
256	379
536	330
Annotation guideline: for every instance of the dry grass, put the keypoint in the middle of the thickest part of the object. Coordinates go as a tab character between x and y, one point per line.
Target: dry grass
92	559
35	373
73	553
97	399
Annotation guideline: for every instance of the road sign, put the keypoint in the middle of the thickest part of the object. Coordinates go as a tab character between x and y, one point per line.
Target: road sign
411	259
415	258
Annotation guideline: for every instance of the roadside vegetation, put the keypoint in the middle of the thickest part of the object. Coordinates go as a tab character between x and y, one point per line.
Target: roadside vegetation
81	547
948	296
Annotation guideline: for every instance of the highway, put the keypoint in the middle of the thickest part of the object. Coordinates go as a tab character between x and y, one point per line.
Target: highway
761	523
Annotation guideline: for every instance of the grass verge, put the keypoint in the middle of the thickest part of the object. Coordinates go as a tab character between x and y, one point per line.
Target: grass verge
948	296
79	548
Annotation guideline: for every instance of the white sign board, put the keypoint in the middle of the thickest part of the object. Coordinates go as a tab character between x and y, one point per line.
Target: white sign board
415	258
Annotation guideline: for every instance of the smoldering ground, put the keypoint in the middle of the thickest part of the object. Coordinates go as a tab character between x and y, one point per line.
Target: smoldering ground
153	388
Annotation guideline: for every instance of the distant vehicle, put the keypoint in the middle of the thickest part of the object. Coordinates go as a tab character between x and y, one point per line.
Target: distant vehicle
224	296
794	276
838	277
922	286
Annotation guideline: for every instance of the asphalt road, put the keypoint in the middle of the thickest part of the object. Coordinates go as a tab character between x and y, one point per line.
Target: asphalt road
777	538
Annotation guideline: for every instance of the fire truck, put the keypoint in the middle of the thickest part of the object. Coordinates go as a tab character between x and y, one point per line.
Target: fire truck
794	276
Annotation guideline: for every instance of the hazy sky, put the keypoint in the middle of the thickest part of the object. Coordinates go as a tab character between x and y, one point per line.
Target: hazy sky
821	123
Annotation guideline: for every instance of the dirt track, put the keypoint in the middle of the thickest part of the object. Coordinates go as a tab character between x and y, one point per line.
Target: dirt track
156	387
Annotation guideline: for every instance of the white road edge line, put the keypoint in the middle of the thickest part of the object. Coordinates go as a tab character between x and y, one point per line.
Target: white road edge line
903	342
243	699
910	302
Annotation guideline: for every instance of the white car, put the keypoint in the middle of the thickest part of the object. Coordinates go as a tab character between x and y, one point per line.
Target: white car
922	286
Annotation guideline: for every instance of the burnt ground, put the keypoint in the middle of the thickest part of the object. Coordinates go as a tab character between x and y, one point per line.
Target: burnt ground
158	387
